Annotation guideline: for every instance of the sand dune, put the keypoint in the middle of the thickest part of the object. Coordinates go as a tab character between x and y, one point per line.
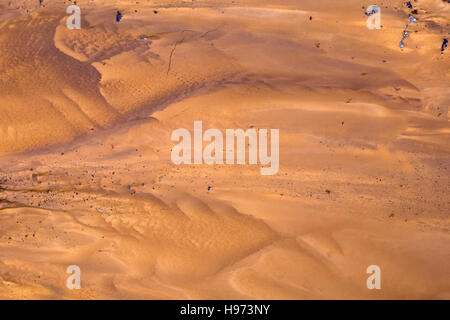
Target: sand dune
86	176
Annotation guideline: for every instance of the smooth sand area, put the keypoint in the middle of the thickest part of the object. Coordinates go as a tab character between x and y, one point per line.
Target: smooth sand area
86	176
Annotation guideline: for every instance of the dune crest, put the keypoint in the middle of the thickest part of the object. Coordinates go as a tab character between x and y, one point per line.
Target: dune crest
86	176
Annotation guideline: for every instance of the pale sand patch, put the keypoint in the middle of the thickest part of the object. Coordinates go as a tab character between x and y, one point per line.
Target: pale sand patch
364	152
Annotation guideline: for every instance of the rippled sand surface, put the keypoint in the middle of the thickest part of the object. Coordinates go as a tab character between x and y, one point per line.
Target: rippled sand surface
86	176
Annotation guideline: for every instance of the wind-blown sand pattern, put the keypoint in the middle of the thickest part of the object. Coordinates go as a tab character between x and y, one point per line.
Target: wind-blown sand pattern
86	177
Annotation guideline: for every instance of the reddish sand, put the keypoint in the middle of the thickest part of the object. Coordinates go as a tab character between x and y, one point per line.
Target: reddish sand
86	176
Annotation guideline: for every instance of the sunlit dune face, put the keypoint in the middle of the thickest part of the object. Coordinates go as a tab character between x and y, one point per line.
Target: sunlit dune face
115	163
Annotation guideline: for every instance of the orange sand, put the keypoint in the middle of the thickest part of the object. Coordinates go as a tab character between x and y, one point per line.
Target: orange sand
85	171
